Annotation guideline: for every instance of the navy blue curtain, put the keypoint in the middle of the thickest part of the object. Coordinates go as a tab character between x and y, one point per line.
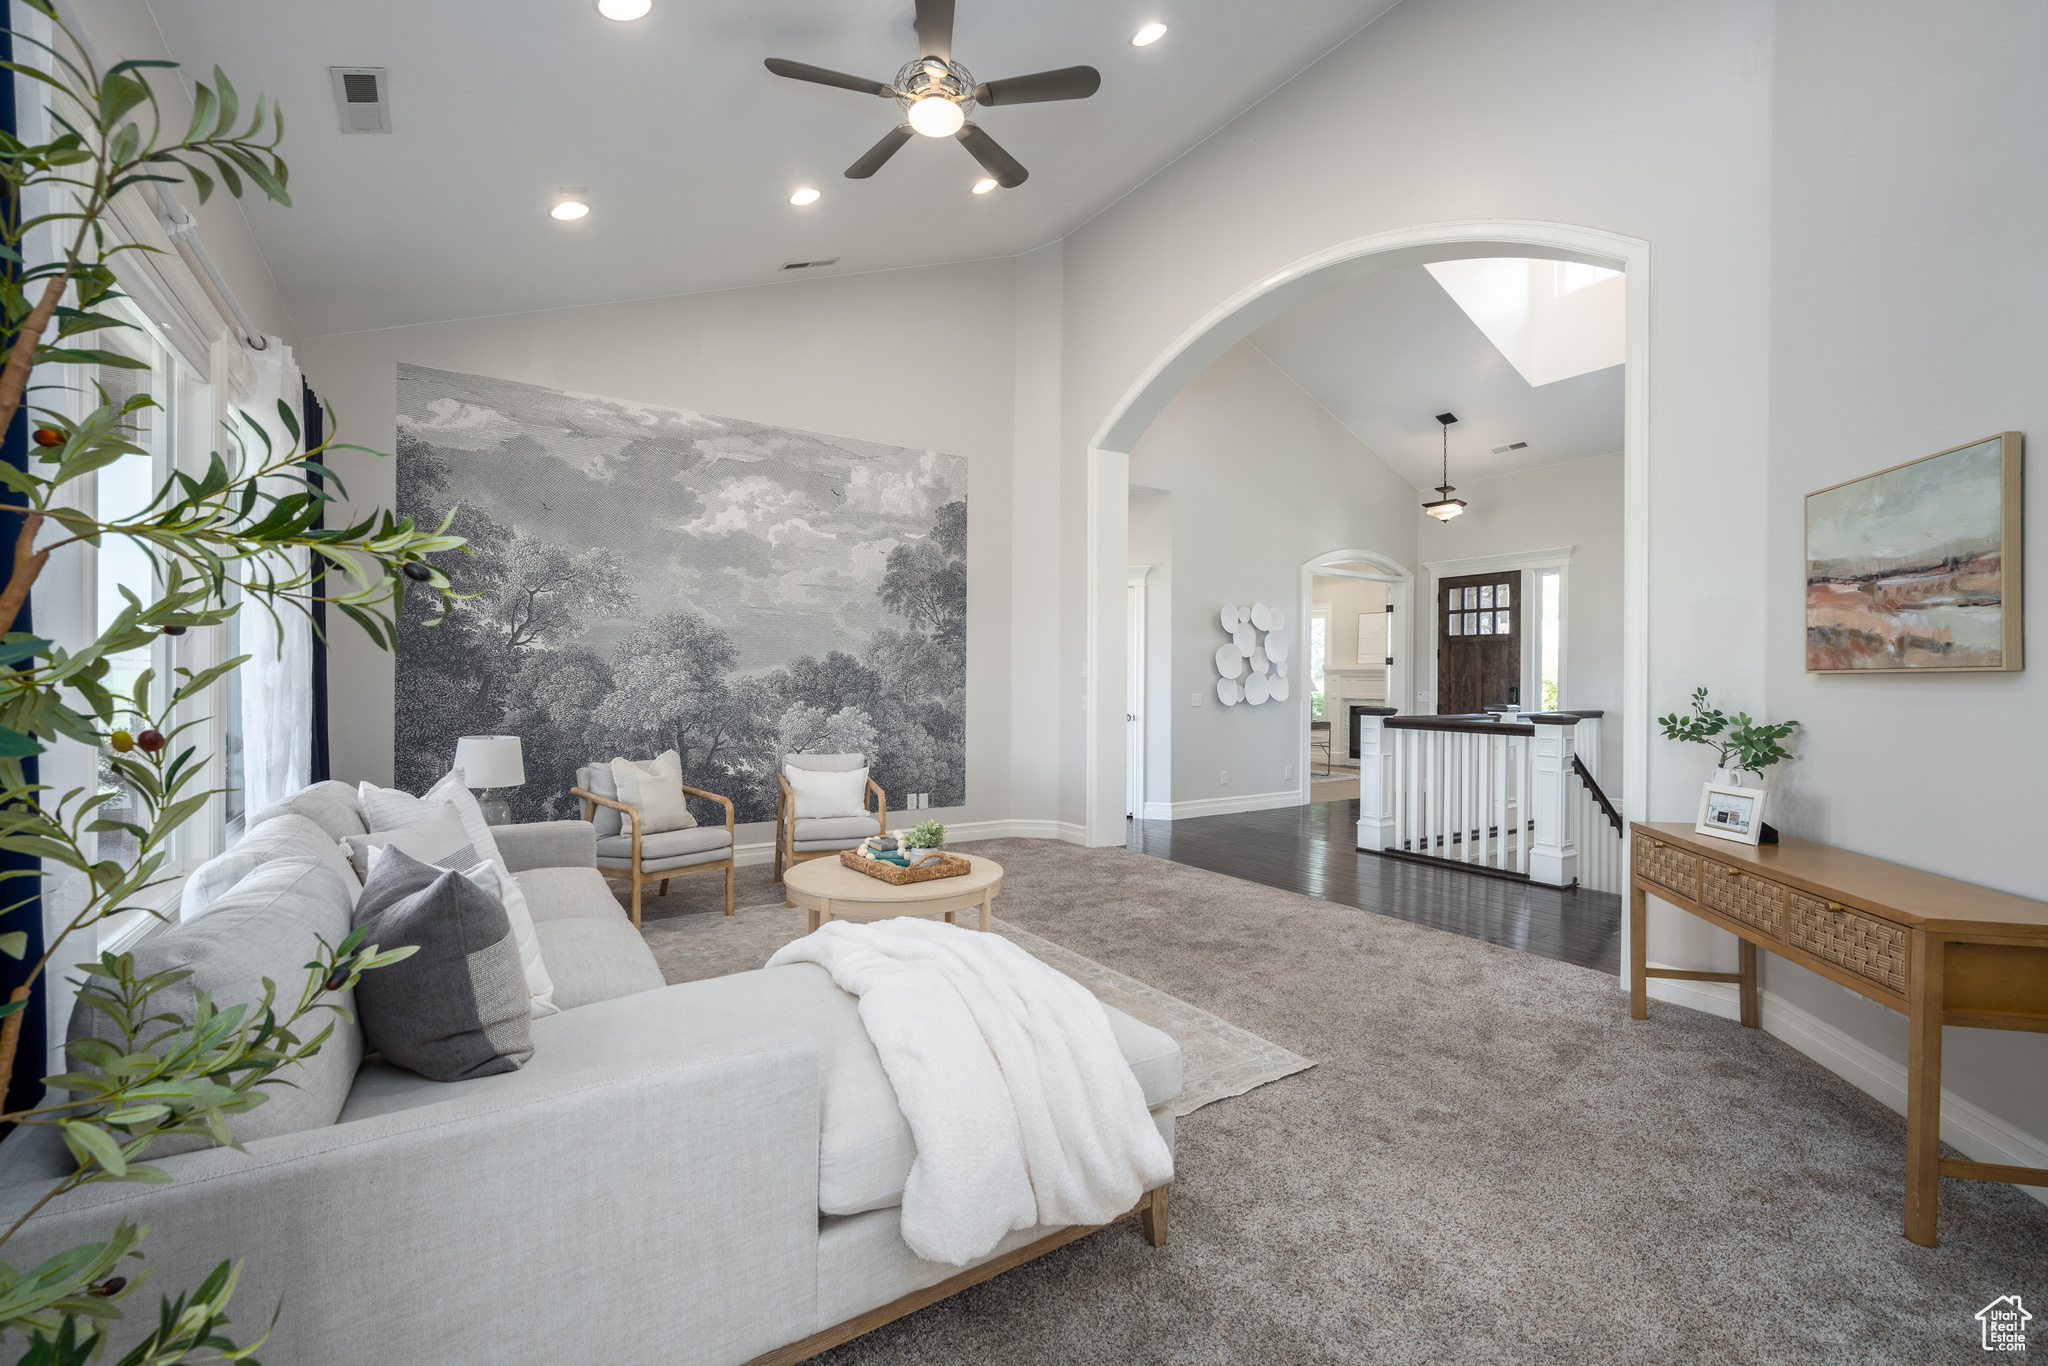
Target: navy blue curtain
313	423
25	1087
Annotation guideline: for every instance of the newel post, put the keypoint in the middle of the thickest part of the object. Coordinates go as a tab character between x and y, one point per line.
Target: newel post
1375	779
1553	854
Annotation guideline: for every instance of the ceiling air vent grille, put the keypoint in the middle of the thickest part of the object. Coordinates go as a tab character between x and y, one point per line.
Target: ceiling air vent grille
363	96
1513	446
810	265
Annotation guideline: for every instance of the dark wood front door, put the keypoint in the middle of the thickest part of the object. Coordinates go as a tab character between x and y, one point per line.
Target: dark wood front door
1478	642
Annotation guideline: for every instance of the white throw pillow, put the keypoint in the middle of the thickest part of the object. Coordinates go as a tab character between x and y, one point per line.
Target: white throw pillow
824	796
450	796
655	790
438	838
492	877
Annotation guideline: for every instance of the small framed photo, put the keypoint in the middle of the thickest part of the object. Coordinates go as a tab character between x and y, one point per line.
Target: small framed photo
1731	813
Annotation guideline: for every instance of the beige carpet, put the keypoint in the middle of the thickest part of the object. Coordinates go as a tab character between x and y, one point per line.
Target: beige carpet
1218	1059
1332	789
1490	1162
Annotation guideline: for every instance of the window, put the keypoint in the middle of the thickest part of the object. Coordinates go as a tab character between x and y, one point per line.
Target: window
1550	583
1318	656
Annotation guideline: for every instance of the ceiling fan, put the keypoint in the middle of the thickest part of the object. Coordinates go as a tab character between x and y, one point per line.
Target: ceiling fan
936	92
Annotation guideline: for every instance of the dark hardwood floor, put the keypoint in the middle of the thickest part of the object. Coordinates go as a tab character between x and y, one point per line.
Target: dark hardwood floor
1313	850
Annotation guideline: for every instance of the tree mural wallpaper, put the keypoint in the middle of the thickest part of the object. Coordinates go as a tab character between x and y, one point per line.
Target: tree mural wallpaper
644	578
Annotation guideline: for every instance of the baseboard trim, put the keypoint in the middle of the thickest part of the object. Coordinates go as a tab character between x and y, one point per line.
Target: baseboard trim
1976	1132
1222	806
763	851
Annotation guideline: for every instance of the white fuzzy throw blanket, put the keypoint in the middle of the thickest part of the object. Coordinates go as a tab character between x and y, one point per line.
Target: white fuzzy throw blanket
1023	1108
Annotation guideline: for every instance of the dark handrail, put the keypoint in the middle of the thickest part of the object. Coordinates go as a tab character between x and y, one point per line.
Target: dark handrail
1599	797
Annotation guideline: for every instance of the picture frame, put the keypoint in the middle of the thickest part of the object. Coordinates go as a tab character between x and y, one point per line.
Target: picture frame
1917	569
1731	813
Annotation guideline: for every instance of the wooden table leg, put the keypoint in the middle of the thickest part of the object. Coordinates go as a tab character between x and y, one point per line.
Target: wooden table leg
952	917
1752	1014
1638	984
814	920
1923	1087
988	903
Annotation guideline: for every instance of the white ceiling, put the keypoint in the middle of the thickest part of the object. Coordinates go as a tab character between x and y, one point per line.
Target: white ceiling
689	148
1387	354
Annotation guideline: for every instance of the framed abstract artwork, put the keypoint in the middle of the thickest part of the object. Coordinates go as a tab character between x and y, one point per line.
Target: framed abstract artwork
1917	568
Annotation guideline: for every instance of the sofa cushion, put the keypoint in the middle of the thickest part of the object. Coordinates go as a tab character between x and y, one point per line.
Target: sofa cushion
596	959
568	894
667	844
437	838
855	828
268	925
330	805
458	1007
286	836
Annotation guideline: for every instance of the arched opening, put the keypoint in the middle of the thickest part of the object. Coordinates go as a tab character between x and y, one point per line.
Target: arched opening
1367	566
1234	319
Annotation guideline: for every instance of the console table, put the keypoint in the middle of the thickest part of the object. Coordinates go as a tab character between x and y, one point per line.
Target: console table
1940	952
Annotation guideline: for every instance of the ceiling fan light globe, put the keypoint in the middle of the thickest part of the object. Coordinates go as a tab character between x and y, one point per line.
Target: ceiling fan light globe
984	185
624	10
569	210
936	117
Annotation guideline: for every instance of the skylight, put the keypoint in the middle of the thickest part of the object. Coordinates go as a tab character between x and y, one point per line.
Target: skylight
1552	320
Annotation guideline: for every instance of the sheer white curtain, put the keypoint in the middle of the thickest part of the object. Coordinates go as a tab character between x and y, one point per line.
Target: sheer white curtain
277	680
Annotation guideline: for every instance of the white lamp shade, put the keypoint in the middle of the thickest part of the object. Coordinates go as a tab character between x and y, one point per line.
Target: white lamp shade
490	761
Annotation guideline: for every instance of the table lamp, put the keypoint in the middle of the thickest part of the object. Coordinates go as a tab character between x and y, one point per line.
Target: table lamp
489	762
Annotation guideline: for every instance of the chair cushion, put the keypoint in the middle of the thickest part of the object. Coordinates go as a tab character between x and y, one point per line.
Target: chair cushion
330	805
265	927
598	778
287	836
855	828
666	845
825	763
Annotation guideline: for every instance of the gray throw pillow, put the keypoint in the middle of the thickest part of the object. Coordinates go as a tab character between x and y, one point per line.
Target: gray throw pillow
458	1008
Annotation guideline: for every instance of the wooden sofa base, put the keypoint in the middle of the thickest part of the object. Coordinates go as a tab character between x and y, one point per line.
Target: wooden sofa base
1151	1210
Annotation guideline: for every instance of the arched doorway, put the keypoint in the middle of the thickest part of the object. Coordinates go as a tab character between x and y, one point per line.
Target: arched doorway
1236	317
1400	582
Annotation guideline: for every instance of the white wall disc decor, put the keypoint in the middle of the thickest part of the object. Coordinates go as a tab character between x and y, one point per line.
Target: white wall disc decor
1259	661
1247	640
1257	689
1230	619
1280	667
1229	662
1262	616
1280	689
1227	691
1276	645
1267	678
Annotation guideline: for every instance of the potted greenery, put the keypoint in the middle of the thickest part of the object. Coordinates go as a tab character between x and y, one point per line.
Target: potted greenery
232	535
1743	747
929	835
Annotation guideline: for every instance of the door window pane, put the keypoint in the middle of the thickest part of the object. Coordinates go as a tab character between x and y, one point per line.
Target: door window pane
1486	595
1501	624
1471	622
1455	600
1500	596
1486	623
1471	597
1550	636
1457	620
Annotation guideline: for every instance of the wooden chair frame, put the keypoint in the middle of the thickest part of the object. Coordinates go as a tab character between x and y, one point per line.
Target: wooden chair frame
786	855
639	878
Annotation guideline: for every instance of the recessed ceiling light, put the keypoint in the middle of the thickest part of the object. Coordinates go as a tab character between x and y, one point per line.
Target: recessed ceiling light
806	195
623	10
568	209
983	186
1148	35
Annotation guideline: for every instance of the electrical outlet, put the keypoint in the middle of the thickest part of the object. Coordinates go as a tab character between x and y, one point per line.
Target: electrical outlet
1194	699
1223	777
1288	773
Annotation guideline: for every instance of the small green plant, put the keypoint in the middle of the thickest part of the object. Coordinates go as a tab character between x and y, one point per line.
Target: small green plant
930	835
1741	743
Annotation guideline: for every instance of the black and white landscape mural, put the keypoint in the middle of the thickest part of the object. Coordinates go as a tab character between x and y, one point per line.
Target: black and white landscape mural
648	579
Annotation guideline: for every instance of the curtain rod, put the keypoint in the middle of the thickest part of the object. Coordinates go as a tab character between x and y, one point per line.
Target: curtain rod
178	223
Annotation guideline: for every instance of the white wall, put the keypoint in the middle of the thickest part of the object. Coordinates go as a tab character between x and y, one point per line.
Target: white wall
1909	285
805	354
1151	542
1576	504
1263	479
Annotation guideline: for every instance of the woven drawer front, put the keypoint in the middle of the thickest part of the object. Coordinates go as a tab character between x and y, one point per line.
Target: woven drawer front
1667	866
1863	944
1743	896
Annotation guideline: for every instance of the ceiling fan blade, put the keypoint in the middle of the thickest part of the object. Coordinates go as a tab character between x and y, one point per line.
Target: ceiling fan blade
1008	171
935	29
872	159
1067	83
818	75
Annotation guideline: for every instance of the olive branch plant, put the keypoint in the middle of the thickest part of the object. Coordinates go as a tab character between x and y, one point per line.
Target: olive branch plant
247	529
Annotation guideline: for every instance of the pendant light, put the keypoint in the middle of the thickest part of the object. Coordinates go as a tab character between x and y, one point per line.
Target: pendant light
1446	507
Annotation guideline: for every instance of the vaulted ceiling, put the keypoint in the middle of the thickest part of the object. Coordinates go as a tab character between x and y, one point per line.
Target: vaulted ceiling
1385	355
688	147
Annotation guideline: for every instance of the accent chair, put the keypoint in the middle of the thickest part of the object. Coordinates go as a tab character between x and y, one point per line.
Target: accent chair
799	837
623	852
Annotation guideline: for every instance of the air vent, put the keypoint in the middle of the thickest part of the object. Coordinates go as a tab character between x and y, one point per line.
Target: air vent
363	95
1516	446
810	265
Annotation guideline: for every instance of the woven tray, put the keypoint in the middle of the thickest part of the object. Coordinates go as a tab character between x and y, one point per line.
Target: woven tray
950	865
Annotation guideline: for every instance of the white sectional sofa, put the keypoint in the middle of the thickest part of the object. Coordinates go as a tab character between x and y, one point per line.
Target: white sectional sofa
701	1173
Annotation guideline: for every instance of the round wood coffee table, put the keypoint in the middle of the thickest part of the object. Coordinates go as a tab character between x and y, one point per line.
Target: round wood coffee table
829	890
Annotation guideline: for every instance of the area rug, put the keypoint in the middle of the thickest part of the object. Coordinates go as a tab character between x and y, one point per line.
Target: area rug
1490	1162
1218	1060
